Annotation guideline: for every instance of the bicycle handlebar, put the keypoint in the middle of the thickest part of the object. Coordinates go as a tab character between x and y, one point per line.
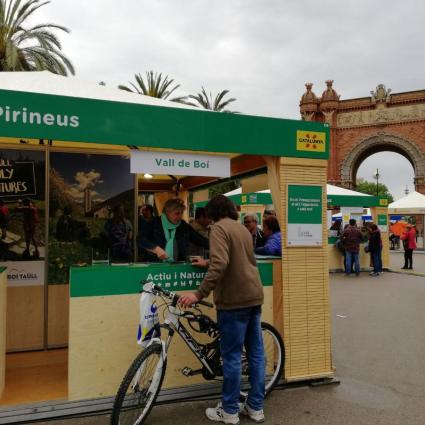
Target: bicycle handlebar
171	295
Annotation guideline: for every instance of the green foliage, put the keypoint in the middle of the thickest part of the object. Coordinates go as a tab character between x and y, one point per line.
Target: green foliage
364	186
155	86
220	188
206	101
24	48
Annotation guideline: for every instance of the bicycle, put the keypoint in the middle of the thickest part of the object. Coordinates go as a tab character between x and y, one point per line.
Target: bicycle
143	380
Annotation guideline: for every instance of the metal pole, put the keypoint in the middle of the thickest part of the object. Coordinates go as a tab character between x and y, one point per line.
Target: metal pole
377	182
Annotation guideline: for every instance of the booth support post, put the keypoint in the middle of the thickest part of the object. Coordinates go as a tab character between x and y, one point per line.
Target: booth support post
305	279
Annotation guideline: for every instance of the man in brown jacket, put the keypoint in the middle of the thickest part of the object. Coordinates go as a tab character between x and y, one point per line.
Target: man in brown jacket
238	295
352	237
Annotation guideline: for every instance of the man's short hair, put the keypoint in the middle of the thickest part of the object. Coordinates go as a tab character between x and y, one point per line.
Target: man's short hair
251	215
200	212
221	207
352	222
174	204
148	207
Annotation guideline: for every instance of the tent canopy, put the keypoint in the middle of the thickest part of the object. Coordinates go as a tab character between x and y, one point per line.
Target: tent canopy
413	203
42	105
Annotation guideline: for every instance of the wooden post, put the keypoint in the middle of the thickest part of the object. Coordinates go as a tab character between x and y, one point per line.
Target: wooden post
305	279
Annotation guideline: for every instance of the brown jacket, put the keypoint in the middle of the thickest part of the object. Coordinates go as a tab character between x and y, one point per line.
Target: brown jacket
232	273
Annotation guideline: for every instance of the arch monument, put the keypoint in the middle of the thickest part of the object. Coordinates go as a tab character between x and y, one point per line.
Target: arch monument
360	127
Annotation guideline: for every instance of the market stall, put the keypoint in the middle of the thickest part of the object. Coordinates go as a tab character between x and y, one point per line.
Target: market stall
411	206
74	124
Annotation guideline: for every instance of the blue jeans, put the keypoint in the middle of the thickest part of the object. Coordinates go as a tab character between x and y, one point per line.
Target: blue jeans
352	257
377	261
238	328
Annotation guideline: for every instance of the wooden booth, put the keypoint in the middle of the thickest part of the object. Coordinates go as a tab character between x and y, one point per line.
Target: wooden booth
67	149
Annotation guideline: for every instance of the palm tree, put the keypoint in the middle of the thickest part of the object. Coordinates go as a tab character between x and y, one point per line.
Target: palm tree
207	102
155	86
35	48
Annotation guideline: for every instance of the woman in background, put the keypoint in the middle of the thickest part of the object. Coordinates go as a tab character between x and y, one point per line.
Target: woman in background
271	230
375	249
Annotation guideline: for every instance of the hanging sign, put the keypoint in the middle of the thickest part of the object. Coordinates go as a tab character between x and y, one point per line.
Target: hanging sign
383	222
305	226
179	164
17	178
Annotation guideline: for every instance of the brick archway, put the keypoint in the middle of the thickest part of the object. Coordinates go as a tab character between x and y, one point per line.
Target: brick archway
378	143
360	127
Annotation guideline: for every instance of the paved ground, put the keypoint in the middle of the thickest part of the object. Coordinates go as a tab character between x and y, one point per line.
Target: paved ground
397	261
378	351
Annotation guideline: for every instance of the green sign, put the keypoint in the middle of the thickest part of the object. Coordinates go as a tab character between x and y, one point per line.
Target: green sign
305	212
45	116
93	281
382	220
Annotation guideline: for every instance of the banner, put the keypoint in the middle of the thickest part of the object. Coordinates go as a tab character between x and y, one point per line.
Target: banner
17	178
24	273
304	208
179	164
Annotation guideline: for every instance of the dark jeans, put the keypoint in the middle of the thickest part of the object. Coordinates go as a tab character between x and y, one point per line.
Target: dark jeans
238	328
408	258
350	259
377	260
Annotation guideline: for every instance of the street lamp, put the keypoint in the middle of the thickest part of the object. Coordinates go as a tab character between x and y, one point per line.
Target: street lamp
376	176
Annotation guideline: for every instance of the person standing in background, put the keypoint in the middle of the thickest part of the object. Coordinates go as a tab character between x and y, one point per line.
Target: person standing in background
409	244
375	249
250	221
352	237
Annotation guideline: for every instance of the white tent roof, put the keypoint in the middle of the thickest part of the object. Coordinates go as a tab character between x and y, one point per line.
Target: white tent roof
413	203
46	82
336	190
330	190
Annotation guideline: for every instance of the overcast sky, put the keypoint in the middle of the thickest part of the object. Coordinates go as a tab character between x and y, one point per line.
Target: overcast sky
263	51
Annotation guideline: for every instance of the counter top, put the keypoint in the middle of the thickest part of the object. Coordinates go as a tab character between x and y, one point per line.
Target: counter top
103	280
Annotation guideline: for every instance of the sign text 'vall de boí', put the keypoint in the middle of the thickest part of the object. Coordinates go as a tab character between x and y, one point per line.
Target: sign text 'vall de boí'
179	164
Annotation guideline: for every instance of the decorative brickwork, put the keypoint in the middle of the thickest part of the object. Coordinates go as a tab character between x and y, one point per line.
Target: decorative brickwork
385	121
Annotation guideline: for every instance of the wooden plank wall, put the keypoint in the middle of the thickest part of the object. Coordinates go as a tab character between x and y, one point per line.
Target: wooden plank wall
3	298
305	279
25	318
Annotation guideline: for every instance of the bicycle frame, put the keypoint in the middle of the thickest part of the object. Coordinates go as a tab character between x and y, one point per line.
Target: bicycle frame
172	324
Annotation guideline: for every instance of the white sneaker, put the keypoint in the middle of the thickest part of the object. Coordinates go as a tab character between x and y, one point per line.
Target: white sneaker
217	414
255	415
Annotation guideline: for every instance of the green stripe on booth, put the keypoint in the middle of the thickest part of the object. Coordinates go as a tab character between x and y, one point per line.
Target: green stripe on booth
120	123
125	279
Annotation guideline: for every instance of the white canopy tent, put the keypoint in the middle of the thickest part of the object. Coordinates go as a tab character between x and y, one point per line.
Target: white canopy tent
330	190
49	83
413	203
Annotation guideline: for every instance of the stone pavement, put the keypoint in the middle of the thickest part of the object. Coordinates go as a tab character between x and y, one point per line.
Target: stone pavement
397	261
378	350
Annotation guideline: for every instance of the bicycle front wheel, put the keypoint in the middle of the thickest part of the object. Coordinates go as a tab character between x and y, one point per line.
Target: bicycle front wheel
139	388
274	353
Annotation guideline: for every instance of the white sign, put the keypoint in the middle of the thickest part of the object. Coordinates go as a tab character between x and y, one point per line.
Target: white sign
351	212
304	234
180	164
24	273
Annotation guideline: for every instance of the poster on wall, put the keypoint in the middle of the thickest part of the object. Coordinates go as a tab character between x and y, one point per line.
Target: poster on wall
25	273
304	208
86	193
349	213
22	213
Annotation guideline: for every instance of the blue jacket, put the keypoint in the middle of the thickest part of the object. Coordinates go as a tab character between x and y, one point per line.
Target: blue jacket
273	245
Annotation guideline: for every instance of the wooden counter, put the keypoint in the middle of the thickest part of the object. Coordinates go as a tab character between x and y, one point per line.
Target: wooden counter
104	317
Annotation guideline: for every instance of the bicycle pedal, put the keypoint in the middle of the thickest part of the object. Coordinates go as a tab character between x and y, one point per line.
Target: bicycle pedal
187	371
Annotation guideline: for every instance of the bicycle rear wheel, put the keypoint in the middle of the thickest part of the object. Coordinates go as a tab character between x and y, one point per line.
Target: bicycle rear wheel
274	353
139	388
